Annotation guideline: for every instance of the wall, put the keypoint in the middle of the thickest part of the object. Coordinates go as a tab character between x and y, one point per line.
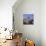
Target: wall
6	15
43	22
29	31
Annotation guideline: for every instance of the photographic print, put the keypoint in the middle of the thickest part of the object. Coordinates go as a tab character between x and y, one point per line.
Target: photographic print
28	19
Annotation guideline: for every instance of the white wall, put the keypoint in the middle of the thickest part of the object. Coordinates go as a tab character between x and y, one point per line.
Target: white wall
43	22
29	31
6	13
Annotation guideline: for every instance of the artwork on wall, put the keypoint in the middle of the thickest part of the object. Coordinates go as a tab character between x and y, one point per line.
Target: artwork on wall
28	19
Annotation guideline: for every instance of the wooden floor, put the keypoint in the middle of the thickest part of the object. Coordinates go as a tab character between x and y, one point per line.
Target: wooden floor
8	43
12	42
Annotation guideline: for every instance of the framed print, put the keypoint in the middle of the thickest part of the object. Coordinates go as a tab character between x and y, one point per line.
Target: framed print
28	19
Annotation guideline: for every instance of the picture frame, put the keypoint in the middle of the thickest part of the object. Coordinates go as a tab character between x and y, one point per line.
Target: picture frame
28	19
